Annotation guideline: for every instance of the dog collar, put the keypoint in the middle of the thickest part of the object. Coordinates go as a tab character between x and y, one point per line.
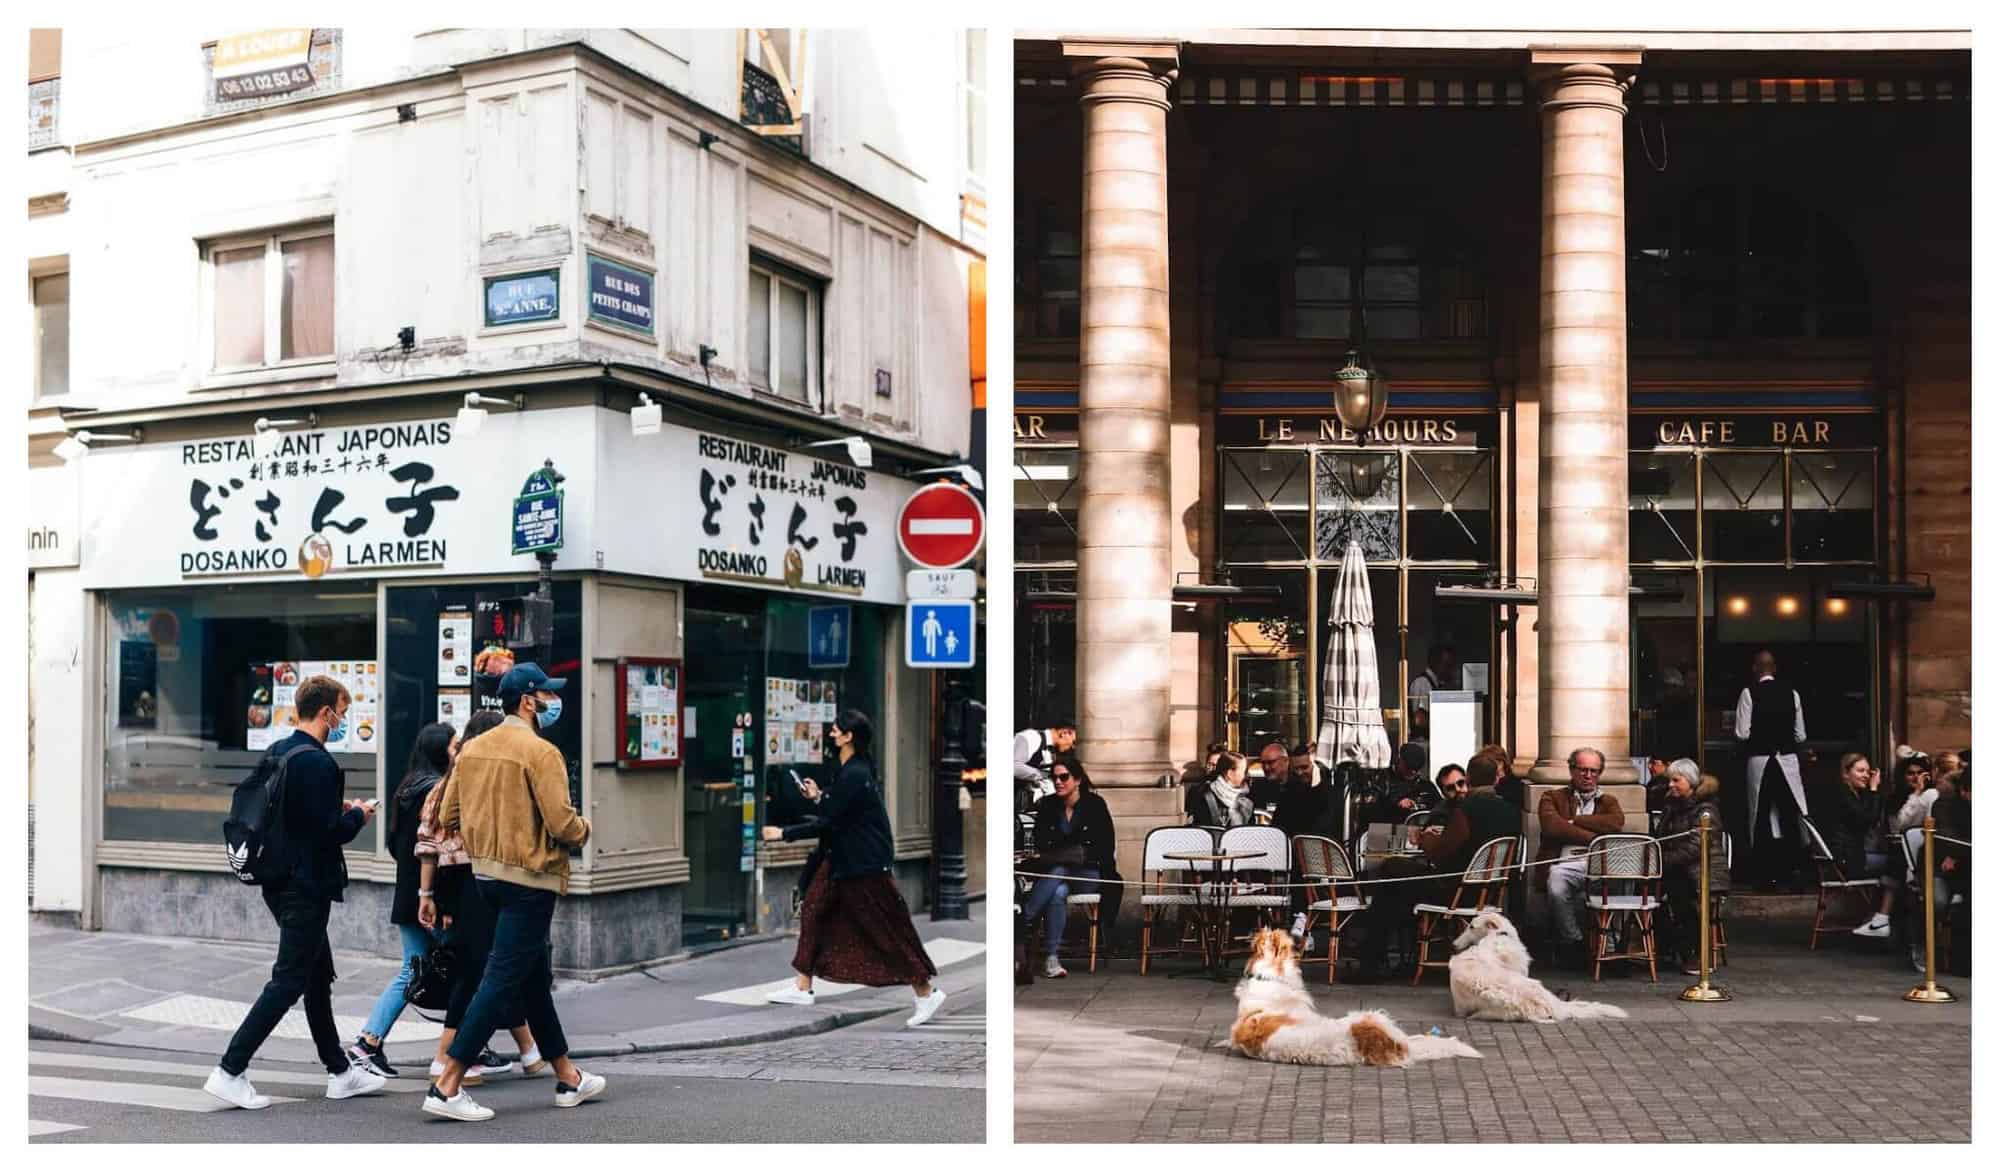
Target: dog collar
1258	977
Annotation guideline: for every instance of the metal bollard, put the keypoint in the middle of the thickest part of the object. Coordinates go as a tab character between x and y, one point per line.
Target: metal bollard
1928	992
1703	991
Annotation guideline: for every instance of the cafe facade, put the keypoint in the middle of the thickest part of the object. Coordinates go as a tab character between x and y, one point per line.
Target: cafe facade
1665	387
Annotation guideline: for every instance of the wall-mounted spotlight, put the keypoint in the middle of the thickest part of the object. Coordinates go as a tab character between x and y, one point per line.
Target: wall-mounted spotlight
472	416
1836	606
859	453
646	416
76	445
1738	606
265	439
1788	606
965	472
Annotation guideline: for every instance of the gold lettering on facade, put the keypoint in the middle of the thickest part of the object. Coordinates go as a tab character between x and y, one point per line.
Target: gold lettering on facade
1822	432
1284	429
1430	431
1030	427
1451	431
1329	429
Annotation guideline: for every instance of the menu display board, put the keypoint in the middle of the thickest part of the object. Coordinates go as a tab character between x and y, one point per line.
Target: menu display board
274	708
455	648
649	713
796	713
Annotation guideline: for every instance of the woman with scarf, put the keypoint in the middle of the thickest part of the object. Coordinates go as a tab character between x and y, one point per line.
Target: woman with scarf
854	926
1226	800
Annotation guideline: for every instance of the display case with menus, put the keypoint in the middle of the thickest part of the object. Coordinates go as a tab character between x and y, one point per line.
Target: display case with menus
649	713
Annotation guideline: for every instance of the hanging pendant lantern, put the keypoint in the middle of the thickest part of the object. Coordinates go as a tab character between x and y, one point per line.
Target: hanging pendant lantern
1360	397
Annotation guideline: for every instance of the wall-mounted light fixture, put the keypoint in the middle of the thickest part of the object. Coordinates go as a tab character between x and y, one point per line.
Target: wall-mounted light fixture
472	416
265	437
1788	606
646	416
1738	606
76	445
859	453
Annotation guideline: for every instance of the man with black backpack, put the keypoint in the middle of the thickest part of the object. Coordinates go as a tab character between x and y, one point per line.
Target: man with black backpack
292	850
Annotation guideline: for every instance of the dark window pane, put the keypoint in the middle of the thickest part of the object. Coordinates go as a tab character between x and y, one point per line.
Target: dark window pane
1265	506
1319	282
1390	283
1662	527
1743	507
1395	323
1451	506
1833	506
1044	647
1045	502
1321	321
1270	662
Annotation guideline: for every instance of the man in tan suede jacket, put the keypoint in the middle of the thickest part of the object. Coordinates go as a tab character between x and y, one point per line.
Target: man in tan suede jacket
508	800
1570	819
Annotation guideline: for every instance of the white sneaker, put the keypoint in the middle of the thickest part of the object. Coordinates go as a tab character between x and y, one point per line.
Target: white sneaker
790	995
1875	929
459	1107
235	1090
355	1080
927	1007
1053	969
532	1063
588	1087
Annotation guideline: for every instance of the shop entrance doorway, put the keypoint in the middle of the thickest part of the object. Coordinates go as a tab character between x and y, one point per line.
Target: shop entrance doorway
725	674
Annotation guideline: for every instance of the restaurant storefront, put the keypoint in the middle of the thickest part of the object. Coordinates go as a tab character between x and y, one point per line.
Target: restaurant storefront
717	597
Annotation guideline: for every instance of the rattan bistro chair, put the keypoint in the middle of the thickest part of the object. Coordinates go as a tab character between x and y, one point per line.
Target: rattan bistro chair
1718	906
1323	865
1483	885
1622	883
1268	902
1833	884
1157	871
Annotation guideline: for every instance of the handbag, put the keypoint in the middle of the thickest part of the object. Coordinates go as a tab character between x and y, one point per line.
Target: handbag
430	986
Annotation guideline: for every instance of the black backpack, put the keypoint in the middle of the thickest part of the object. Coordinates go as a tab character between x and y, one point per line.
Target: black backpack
255	829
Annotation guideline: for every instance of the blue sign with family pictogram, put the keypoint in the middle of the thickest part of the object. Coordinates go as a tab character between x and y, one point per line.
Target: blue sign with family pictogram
939	634
520	298
828	630
538	513
620	296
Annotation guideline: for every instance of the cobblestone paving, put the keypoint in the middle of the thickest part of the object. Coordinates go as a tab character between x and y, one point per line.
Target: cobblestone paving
883	1051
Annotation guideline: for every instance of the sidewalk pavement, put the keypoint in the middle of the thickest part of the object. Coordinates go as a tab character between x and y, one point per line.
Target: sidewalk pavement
1803	1052
189	995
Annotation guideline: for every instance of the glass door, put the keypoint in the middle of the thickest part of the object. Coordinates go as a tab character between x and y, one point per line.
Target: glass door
725	685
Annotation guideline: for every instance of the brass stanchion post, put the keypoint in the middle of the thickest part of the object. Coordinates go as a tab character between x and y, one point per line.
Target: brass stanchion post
1928	992
1703	991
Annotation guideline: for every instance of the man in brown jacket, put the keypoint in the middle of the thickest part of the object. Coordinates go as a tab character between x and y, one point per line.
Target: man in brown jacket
1570	819
508	800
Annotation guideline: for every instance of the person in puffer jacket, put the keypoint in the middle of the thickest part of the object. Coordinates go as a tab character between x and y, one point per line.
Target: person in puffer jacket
1688	795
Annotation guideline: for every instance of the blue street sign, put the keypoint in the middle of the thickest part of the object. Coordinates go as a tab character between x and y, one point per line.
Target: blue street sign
538	522
939	634
620	295
827	631
519	298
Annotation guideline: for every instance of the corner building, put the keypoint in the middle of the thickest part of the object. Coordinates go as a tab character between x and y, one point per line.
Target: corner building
1678	333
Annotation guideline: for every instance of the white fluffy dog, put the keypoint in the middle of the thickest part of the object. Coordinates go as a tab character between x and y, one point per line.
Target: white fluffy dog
1276	1020
1490	981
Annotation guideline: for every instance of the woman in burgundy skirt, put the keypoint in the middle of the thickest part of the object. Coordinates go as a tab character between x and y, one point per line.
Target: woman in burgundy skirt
854	927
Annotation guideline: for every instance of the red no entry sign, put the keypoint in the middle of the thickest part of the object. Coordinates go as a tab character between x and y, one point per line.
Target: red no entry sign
941	526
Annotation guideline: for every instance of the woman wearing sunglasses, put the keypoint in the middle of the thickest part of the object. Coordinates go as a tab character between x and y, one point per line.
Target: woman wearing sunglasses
1073	840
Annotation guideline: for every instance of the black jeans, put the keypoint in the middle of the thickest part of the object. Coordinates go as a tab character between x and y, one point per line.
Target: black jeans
304	968
472	939
517	973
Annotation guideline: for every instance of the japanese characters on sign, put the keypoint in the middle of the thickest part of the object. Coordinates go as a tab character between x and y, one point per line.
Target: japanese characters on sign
620	295
520	298
766	513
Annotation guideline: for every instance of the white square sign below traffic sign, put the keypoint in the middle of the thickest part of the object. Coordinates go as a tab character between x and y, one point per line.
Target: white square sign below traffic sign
919	585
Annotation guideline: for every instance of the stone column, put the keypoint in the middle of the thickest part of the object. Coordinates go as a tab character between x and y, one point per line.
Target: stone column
1583	619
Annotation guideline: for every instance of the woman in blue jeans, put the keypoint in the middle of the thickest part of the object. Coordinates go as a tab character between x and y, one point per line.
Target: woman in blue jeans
1073	840
430	758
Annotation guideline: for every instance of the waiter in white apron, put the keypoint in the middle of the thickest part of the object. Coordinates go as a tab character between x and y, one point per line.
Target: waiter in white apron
1771	723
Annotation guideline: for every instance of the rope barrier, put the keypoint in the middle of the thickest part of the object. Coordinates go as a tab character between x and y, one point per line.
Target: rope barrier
1953	841
1325	881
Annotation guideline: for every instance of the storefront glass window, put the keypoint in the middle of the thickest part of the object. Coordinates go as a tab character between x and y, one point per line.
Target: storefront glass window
1662	507
1044	647
1833	506
1743	506
789	657
1270	662
197	683
1665	659
1360	498
1045	502
1451	506
1265	507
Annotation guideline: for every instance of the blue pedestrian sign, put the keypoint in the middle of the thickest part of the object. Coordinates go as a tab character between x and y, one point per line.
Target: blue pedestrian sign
939	634
538	515
827	635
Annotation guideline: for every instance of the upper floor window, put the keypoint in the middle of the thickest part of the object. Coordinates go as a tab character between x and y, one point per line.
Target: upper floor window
51	335
1743	262
973	86
1048	279
784	332
271	298
1333	273
774	84
44	87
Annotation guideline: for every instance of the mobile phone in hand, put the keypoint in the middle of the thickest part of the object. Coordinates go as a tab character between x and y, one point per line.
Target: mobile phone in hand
797	783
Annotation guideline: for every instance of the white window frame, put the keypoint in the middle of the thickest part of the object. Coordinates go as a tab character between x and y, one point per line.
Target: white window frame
274	298
975	179
780	277
36	275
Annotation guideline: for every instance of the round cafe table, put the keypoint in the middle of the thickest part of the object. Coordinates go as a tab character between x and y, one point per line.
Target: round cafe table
1211	903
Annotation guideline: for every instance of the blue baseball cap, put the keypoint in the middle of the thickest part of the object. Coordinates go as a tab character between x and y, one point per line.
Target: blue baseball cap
524	678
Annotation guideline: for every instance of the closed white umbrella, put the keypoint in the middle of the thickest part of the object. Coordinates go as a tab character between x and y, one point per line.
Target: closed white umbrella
1350	725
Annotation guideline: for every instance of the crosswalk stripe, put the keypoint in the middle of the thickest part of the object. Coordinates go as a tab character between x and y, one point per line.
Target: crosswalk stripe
132	1094
39	1127
258	1077
944	951
215	1013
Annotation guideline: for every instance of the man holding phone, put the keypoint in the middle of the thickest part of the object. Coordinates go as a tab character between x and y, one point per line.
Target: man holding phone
317	824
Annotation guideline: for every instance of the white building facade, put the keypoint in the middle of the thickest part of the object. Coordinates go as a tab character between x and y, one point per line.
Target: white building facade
770	235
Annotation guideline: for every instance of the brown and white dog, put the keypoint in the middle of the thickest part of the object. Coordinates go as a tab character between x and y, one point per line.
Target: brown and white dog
1276	1020
1490	981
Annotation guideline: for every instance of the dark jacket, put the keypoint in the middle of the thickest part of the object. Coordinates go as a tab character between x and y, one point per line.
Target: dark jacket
1952	817
1682	856
1210	811
1388	807
1844	816
407	806
1773	719
1480	818
1561	827
851	823
315	825
1301	806
1265	791
1090	831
